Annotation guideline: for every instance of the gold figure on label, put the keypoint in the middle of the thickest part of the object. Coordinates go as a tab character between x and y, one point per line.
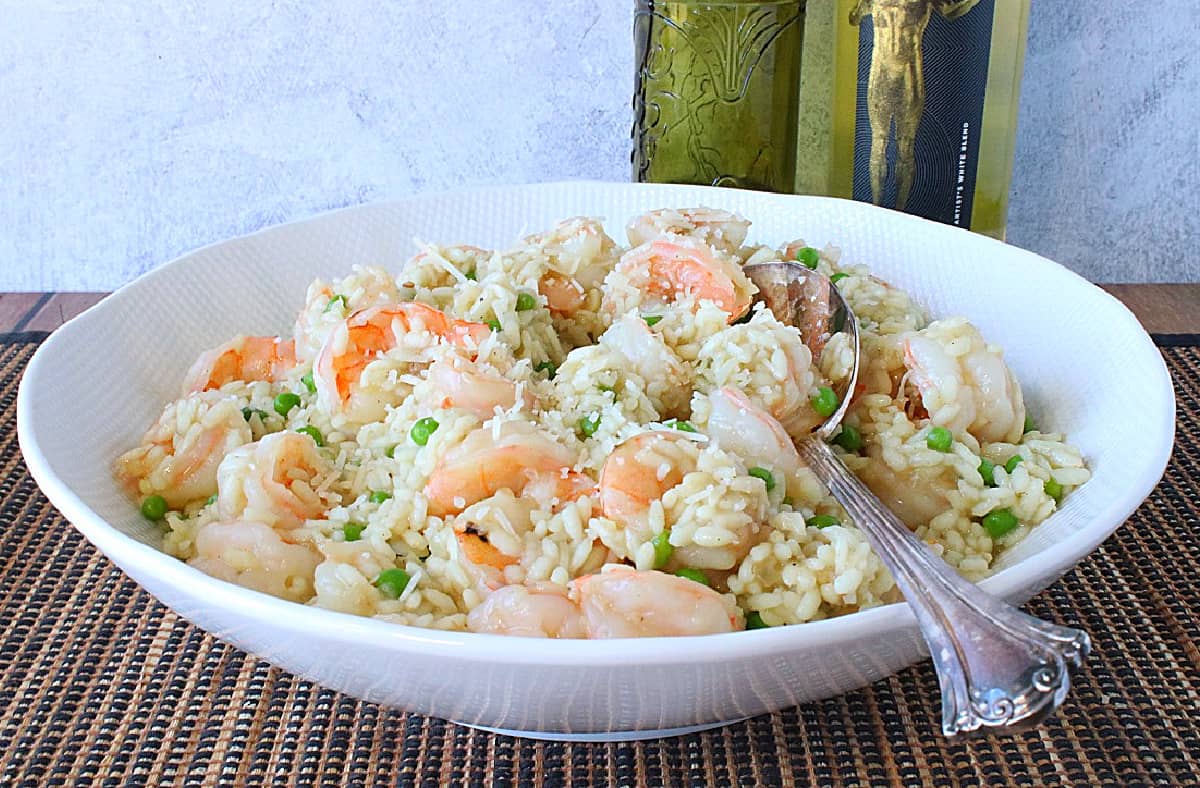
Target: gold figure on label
896	88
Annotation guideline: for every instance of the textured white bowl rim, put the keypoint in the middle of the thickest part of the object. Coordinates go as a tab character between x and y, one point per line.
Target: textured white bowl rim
127	551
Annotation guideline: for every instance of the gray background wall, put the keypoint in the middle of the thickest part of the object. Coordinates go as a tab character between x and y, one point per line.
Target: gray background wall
132	132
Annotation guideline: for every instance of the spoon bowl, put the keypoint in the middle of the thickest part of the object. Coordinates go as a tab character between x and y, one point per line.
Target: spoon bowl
808	300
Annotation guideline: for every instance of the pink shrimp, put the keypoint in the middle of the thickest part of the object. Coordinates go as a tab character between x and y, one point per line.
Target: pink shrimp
623	602
483	464
564	295
255	556
671	268
368	333
721	229
180	454
963	383
645	469
477	391
241	358
537	610
273	480
616	602
628	483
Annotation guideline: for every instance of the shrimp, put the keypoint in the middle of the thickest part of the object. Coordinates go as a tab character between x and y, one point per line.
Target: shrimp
461	386
179	455
661	479
325	305
479	551
668	381
616	602
770	363
275	480
579	254
622	602
674	267
636	474
742	427
916	495
368	334
255	556
509	456
538	611
720	229
492	534
564	296
241	358
963	383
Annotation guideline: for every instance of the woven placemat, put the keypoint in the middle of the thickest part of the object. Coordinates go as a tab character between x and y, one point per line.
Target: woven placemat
100	684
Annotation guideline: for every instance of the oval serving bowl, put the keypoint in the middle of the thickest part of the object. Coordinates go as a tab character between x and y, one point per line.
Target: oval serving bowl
1086	365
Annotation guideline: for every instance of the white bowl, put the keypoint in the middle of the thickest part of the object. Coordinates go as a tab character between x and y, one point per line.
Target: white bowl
1087	367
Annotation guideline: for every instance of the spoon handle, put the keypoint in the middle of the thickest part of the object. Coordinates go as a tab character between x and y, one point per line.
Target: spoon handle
1000	669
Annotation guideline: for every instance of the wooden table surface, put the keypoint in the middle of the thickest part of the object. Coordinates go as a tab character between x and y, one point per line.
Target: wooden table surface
1165	309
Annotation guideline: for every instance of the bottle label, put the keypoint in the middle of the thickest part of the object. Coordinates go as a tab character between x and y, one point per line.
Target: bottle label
922	73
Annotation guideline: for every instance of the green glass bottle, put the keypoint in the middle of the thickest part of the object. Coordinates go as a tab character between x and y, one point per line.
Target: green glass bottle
717	92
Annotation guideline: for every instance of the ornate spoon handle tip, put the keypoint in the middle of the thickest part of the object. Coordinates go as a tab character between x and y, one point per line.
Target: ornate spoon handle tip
1000	669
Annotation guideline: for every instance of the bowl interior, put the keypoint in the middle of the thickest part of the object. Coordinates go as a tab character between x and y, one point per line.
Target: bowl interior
1086	366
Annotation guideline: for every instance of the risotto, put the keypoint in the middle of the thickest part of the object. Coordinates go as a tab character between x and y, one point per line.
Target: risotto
574	438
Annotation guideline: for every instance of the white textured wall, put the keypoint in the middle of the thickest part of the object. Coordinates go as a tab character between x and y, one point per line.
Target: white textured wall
132	132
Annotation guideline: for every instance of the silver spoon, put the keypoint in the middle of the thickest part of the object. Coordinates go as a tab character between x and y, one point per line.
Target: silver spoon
999	668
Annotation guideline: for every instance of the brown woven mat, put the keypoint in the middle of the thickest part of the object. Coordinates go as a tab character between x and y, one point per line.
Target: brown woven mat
100	684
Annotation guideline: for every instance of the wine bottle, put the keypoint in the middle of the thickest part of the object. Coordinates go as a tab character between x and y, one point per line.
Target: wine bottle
717	91
912	104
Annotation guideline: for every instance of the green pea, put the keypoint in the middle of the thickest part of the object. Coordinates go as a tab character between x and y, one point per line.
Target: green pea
589	424
693	574
809	257
154	507
525	302
940	439
392	582
313	433
999	522
1013	462
849	438
248	412
307	380
822	521
210	500
421	431
390	452
1053	489
684	426
651	319
379	496
662	548
606	389
767	477
1029	425
825	403
839	276
549	367
987	470
285	402
754	621
352	532
472	275
494	324
337	299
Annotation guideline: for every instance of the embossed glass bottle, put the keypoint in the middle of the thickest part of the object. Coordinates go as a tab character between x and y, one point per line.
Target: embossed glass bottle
717	92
